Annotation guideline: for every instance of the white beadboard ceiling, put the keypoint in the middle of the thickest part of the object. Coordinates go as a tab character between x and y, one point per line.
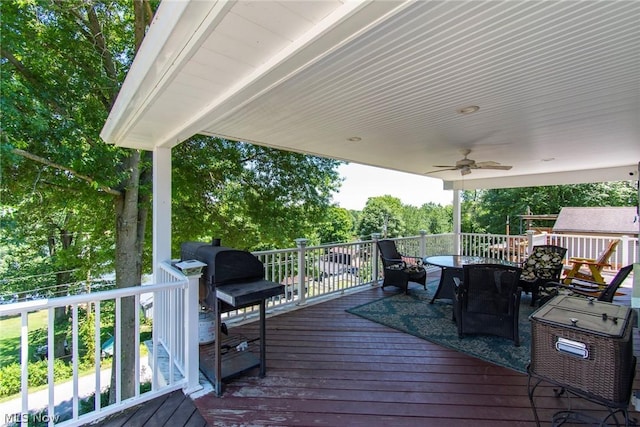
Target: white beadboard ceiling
557	83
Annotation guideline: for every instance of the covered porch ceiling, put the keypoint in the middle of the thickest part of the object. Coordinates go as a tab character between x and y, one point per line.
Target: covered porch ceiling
382	83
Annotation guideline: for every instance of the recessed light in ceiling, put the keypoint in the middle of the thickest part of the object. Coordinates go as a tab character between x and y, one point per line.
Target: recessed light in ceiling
549	159
468	110
354	139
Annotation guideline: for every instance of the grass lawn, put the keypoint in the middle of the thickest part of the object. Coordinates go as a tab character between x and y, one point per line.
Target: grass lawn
10	328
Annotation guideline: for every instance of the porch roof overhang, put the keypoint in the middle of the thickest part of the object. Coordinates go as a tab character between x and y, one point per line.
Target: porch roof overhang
381	82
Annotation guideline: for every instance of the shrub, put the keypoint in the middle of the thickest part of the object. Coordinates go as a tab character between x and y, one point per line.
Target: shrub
10	375
9	379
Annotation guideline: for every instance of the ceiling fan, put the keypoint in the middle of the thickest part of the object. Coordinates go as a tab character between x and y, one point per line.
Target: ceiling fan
465	165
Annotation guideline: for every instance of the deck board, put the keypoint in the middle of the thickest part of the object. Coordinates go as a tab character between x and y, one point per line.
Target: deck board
172	409
327	367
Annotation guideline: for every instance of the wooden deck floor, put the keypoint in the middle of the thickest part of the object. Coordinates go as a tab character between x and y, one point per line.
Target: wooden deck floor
326	367
173	409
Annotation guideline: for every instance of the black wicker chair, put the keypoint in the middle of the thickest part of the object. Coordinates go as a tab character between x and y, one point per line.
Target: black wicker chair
400	269
487	301
542	266
590	288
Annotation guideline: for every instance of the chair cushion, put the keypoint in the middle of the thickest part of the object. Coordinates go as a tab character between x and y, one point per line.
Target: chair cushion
542	264
415	269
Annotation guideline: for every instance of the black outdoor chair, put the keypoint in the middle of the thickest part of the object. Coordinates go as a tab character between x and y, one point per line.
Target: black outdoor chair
590	288
542	266
400	269
487	301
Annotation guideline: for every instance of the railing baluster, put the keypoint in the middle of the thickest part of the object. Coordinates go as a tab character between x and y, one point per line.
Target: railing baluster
50	364
24	355
172	334
75	355
117	353
157	327
97	354
136	343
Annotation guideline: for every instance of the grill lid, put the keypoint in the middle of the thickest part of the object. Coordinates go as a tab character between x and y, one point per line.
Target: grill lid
224	265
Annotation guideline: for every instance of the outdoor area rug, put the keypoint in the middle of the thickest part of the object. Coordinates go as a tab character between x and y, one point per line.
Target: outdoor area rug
414	315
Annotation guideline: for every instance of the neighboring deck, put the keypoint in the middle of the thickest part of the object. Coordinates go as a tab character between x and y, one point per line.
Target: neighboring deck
326	367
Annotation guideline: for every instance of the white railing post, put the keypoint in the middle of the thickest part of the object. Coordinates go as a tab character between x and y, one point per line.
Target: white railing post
374	256
423	243
530	242
302	294
191	326
625	257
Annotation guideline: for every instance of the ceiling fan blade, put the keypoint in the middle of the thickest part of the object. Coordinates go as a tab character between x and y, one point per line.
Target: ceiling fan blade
452	168
444	166
487	164
498	167
492	165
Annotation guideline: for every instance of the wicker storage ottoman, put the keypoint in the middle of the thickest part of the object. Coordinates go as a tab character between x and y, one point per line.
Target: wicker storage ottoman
584	345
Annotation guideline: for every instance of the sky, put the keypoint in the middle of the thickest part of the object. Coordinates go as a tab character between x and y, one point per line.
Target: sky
361	182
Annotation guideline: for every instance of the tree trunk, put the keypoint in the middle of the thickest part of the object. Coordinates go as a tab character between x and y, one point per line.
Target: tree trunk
128	274
61	313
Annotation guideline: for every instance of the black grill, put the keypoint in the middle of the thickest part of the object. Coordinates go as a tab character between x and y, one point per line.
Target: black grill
232	279
235	272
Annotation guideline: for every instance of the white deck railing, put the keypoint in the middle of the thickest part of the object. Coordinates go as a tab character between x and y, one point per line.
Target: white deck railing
308	273
516	248
170	337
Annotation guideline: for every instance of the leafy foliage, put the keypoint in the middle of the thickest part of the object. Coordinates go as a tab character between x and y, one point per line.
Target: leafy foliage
337	226
381	215
430	217
59	82
389	217
63	63
37	371
249	196
486	211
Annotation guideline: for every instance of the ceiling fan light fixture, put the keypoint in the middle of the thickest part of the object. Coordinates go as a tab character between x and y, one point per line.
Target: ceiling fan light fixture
470	109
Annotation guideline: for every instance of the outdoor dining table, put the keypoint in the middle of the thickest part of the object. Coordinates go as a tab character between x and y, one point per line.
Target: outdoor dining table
451	266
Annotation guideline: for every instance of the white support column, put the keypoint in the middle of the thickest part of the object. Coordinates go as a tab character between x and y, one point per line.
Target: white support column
423	243
161	207
457	221
635	300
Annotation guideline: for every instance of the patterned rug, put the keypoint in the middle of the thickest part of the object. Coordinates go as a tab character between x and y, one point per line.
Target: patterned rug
414	315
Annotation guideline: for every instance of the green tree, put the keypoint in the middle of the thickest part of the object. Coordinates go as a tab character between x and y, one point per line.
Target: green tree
439	219
55	96
471	210
250	197
430	217
61	69
414	220
337	226
383	215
